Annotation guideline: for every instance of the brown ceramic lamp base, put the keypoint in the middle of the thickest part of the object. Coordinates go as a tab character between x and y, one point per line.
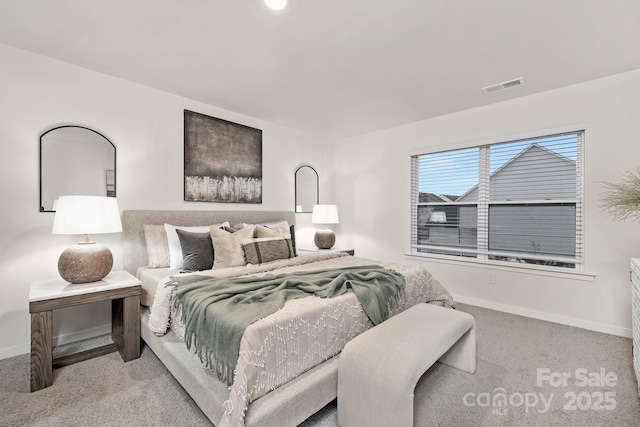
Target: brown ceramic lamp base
324	238
85	262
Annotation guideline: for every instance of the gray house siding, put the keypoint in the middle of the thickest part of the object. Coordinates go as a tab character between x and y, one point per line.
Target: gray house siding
534	174
536	229
525	171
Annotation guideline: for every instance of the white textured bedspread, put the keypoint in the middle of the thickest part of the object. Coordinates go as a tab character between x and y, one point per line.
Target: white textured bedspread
304	333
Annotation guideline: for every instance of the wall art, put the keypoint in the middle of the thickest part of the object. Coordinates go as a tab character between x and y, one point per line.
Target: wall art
222	160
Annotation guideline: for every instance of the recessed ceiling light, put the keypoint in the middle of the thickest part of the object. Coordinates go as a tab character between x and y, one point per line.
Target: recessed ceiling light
276	4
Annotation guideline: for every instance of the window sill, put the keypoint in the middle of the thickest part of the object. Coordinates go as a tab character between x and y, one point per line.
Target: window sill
538	270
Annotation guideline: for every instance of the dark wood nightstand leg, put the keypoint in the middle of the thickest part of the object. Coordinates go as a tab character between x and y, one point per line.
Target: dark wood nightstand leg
126	326
41	350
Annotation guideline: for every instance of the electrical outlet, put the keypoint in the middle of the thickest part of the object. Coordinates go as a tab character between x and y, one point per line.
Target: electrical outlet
491	279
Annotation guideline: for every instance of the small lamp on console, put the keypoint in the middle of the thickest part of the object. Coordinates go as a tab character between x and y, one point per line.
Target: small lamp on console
324	214
86	261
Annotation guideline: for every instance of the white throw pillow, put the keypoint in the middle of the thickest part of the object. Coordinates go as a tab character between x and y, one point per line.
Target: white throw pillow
157	247
227	247
175	250
269	229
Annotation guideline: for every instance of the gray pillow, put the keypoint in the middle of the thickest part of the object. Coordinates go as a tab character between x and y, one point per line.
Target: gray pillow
292	232
197	250
267	249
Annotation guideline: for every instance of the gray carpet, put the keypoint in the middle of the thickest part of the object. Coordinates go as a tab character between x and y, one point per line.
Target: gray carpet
511	349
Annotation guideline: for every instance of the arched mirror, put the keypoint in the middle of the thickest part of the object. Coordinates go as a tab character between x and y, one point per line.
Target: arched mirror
75	160
307	188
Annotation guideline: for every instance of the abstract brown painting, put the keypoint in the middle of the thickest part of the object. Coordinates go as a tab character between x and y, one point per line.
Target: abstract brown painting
222	160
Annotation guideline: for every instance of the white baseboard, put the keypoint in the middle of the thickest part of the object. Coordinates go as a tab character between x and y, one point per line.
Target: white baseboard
81	335
549	317
17	350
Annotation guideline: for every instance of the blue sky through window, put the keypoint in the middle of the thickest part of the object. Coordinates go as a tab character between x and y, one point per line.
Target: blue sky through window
455	172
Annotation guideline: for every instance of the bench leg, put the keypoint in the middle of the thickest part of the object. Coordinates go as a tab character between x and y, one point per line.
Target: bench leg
463	353
379	369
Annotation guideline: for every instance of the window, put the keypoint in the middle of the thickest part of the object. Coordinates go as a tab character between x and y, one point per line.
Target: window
517	201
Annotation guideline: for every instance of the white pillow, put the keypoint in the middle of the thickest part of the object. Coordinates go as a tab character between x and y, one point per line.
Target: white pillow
227	247
263	231
175	250
157	248
281	228
271	225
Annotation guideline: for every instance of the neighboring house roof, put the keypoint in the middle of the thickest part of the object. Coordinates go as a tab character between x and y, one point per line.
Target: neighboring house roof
533	149
449	197
434	198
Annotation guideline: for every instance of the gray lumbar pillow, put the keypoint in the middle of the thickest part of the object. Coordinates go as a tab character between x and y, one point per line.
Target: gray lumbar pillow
267	249
197	250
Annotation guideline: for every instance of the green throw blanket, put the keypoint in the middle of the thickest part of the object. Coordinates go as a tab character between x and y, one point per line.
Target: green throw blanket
216	311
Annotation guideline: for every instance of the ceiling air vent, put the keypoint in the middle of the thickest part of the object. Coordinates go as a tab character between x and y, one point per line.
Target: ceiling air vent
504	85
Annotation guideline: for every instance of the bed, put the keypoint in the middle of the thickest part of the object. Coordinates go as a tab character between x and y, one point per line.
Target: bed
288	361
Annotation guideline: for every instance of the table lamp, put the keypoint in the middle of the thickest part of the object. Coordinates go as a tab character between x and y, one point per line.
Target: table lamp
324	214
86	261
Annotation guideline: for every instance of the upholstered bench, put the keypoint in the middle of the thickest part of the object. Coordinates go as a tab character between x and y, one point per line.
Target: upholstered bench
379	369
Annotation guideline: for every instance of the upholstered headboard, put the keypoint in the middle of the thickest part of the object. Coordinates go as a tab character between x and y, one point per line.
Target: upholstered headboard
133	241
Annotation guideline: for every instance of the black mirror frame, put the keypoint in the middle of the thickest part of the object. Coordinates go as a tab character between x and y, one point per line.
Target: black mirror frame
115	157
295	179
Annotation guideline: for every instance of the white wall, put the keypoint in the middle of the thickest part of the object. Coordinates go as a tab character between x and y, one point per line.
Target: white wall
146	127
373	196
372	193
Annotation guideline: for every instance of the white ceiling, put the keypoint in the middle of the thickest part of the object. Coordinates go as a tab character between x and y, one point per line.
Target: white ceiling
335	68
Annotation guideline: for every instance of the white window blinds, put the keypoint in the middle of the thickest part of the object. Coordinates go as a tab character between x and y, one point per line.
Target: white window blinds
517	201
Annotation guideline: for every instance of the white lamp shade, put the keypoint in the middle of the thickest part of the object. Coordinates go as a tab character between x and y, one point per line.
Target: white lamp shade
325	214
86	215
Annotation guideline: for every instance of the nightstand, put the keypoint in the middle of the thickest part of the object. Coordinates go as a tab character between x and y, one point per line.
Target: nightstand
120	287
349	251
